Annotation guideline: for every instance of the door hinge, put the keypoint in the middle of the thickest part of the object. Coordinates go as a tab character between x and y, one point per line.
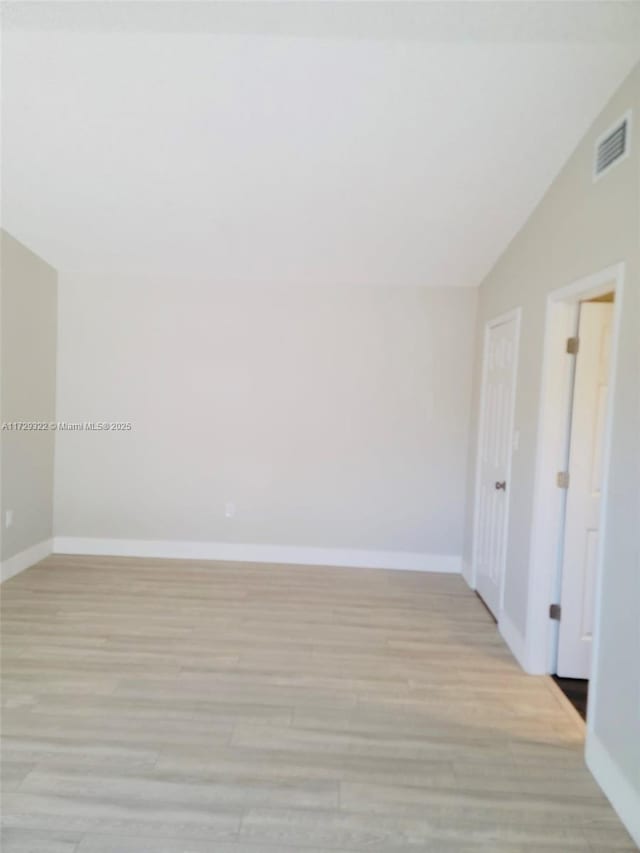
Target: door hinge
562	479
573	345
555	612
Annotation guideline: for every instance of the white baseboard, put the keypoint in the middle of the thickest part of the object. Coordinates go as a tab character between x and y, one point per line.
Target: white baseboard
514	639
467	573
291	554
21	561
624	798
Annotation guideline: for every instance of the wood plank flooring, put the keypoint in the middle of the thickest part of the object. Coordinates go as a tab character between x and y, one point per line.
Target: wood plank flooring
155	706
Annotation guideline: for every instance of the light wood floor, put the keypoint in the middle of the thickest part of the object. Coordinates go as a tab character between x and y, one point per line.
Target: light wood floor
169	707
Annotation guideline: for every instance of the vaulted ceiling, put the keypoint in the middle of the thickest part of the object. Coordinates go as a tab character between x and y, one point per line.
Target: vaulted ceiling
295	143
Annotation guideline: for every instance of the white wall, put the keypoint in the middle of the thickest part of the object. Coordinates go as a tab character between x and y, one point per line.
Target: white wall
28	386
580	228
333	417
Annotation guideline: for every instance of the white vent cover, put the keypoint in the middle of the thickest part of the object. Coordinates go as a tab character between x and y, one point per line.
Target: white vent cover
612	146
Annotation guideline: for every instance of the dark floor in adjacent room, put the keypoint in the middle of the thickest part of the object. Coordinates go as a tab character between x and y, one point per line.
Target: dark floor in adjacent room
577	691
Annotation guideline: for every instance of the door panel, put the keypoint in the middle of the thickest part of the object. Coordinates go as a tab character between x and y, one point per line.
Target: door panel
494	456
582	524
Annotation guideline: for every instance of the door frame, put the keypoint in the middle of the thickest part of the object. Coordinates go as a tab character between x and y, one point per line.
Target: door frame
513	314
547	529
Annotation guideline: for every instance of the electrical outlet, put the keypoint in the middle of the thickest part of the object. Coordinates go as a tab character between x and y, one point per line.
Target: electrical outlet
8	518
229	509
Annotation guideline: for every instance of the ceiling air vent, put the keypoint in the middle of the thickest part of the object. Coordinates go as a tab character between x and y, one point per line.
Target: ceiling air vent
613	146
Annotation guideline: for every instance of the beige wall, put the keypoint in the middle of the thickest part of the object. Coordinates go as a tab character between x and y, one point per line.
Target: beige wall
28	379
579	228
331	417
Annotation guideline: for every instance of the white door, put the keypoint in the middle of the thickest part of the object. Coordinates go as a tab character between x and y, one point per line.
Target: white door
582	520
494	458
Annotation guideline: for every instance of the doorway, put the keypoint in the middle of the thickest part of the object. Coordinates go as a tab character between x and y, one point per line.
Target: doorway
584	470
582	478
495	446
574	429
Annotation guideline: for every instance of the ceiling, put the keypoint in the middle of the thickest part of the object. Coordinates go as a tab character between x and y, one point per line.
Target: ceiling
295	143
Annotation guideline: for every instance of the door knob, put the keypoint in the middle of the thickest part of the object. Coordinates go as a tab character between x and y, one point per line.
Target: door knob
501	486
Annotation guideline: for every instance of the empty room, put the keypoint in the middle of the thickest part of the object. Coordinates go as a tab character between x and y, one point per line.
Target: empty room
320	427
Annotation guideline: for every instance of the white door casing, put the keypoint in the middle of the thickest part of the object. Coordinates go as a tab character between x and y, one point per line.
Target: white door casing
495	446
582	520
